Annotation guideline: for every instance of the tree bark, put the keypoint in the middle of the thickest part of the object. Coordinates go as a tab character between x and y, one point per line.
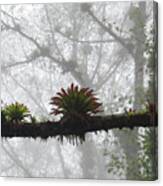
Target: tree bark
76	126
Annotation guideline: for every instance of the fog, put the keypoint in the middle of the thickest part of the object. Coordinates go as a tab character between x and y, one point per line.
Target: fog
101	45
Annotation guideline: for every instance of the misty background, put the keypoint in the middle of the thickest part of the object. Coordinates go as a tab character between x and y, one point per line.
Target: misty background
107	46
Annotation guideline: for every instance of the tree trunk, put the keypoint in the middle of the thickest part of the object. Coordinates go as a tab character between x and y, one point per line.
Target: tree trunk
131	137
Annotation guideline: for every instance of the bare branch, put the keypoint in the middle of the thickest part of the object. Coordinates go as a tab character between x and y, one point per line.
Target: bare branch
100	53
17	29
85	41
53	35
107	75
110	31
16	64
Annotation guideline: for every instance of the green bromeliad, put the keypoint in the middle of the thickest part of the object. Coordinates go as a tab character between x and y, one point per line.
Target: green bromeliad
15	112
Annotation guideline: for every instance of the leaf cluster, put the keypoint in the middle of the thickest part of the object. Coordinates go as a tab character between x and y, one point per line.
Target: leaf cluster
75	101
15	112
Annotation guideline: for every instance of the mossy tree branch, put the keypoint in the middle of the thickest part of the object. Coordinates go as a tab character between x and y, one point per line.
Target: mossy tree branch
77	127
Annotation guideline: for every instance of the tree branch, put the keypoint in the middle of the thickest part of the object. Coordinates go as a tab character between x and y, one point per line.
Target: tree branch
86	41
78	127
16	28
110	31
107	75
53	34
28	61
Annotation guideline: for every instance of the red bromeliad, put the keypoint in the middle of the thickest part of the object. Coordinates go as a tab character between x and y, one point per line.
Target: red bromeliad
75	101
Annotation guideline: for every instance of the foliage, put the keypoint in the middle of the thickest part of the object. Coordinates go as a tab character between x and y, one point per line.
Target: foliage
75	101
33	119
3	116
149	107
148	155
15	112
148	159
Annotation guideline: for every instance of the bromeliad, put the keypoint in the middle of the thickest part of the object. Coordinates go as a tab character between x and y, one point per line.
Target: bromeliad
15	112
75	101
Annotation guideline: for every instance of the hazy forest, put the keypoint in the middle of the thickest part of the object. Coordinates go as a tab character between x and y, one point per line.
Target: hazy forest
109	47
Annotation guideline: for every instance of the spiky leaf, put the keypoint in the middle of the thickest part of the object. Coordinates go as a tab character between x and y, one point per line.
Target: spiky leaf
75	101
16	112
